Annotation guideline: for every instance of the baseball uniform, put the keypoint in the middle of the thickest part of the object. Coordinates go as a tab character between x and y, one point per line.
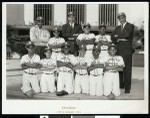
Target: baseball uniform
65	77
81	78
47	82
30	74
54	42
96	77
111	77
104	48
89	47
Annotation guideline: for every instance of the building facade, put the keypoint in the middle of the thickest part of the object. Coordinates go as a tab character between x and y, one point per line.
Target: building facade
56	14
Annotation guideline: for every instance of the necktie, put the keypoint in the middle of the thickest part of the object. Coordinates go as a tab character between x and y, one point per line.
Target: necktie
121	27
72	25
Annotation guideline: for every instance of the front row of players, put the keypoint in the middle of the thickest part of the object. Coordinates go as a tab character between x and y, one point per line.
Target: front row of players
96	75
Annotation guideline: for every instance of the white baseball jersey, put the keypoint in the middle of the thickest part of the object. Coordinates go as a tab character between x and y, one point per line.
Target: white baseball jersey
116	60
81	61
29	78
100	60
39	35
104	48
81	78
111	77
65	58
56	41
48	62
86	37
35	58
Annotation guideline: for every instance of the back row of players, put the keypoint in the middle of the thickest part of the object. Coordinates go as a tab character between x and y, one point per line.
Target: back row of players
94	71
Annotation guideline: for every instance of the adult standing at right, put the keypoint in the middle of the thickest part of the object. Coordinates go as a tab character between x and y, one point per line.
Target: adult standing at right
123	37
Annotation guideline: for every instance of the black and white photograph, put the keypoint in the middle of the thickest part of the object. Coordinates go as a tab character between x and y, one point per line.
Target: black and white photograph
75	58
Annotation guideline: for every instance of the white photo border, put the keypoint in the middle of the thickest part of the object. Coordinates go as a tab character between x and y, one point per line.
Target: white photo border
75	106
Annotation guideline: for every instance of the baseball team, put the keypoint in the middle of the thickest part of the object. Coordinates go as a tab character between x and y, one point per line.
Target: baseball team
78	61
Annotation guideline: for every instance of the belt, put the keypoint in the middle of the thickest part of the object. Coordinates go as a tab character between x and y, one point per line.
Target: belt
89	49
122	40
66	71
81	74
56	51
30	73
110	71
95	75
103	49
48	73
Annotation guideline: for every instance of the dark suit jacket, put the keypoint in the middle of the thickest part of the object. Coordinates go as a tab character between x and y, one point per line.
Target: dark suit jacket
124	48
67	31
126	33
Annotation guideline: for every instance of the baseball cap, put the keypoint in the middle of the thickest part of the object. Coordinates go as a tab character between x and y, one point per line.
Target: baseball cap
66	44
121	14
102	26
96	47
87	25
40	18
82	47
56	28
29	43
71	13
48	49
112	45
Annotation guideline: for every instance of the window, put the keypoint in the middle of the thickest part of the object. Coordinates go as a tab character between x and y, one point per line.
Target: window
79	10
108	14
44	10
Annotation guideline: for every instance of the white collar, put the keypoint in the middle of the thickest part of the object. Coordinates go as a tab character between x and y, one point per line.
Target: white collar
124	24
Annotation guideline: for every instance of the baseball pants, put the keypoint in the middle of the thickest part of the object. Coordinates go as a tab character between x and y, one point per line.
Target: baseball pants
30	79
111	83
81	84
96	85
47	83
65	82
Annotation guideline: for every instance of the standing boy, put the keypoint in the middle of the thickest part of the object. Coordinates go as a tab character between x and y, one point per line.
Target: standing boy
87	39
81	78
30	65
48	65
65	63
96	71
104	40
56	42
111	76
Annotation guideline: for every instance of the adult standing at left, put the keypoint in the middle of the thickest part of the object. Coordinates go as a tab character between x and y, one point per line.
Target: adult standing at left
123	37
39	36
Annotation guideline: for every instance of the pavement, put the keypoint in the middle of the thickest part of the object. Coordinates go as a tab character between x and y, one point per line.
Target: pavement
14	82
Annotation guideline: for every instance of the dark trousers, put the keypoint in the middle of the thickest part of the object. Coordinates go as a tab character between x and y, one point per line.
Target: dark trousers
40	51
125	50
73	48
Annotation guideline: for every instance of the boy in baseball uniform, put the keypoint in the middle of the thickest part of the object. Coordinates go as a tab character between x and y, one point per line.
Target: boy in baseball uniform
30	65
56	42
48	66
104	40
96	71
65	63
113	64
81	77
87	39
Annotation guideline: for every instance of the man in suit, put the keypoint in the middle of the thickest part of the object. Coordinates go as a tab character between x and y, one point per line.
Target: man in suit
70	31
123	37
